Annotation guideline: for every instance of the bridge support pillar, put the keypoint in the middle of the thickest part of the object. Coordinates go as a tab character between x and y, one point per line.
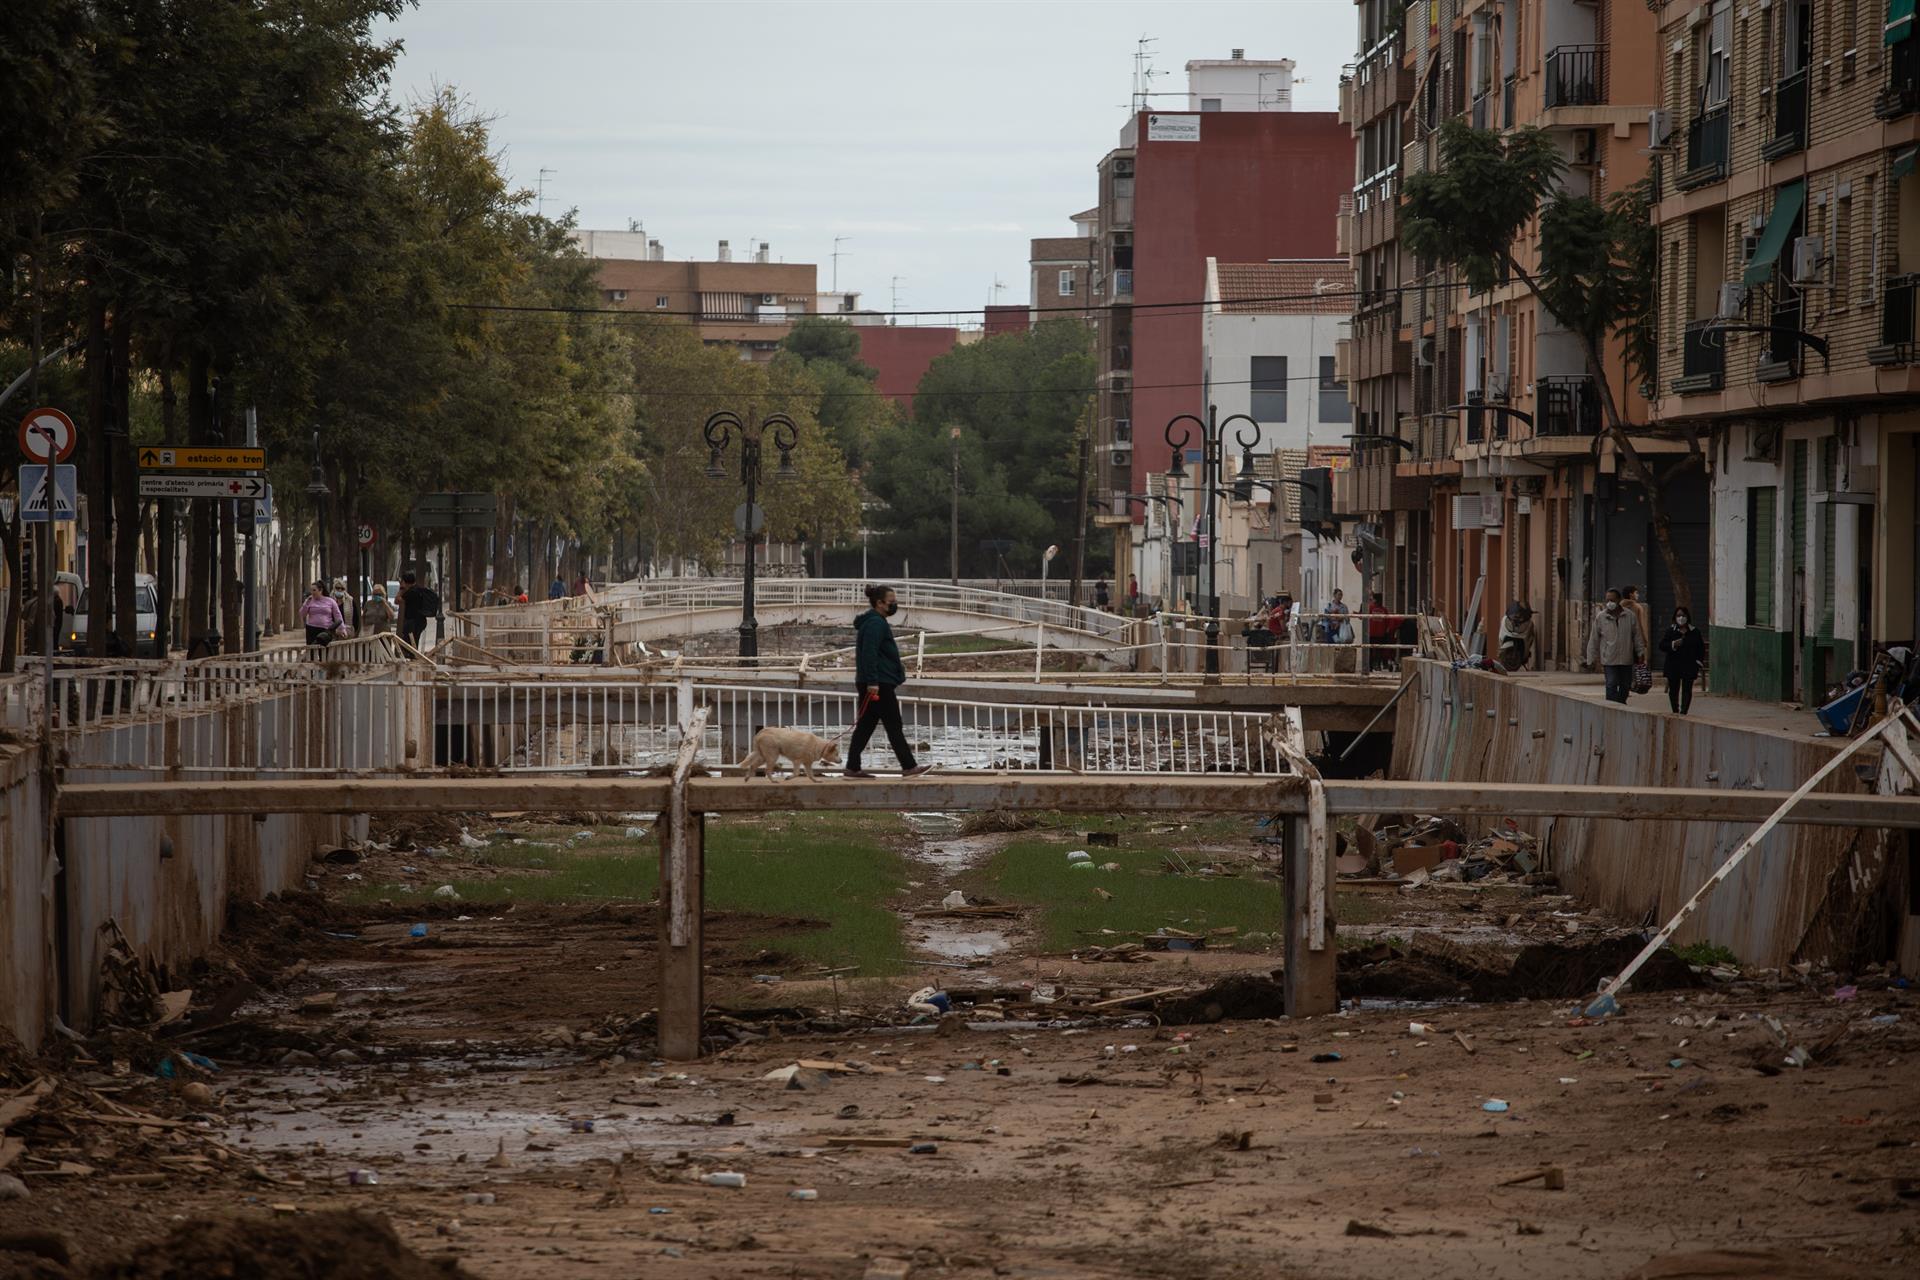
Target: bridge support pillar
683	906
1310	975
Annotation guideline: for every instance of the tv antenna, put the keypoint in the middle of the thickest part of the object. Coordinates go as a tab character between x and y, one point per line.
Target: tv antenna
895	317
540	208
1143	72
837	251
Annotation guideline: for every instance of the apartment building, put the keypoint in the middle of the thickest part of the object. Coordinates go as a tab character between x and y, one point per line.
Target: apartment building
1789	230
748	304
1476	463
1060	270
1238	176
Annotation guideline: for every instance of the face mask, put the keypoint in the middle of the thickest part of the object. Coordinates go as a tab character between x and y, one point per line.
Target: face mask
1680	620
893	607
1613	606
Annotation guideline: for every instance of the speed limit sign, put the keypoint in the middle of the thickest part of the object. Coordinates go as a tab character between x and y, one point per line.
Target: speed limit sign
367	535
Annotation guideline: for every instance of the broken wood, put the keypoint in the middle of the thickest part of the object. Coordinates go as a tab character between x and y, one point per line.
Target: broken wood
1464	1042
1554	1178
1144	995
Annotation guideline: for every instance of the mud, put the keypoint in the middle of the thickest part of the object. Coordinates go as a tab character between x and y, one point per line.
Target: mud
321	1246
1435	968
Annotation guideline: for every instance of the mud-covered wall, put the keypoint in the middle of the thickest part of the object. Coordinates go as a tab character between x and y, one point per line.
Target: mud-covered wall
1795	896
26	901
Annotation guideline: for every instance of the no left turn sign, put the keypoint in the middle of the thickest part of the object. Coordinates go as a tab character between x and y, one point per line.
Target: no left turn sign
46	436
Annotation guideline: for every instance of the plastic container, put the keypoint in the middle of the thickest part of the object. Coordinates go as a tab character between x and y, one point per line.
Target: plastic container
803	1193
725	1179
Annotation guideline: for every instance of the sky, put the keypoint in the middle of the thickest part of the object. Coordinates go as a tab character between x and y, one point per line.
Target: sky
938	136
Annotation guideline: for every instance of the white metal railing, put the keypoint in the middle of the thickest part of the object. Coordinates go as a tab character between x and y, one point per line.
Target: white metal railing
692	595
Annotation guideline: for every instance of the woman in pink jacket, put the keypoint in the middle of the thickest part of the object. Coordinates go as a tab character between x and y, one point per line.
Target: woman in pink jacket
321	613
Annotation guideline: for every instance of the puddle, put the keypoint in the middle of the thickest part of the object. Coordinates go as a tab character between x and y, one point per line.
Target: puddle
960	853
933	824
959	939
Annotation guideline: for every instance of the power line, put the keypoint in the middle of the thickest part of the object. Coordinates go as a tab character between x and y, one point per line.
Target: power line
1020	391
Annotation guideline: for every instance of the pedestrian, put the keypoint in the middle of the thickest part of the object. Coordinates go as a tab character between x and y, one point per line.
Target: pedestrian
1335	626
1133	595
519	594
321	614
1630	600
1516	637
1614	645
1100	597
878	672
580	586
1379	633
418	603
1686	650
557	589
379	614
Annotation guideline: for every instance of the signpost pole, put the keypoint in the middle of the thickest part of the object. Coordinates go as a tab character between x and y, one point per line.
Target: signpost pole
249	612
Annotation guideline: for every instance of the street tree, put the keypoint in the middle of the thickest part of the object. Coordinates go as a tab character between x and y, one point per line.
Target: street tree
1594	272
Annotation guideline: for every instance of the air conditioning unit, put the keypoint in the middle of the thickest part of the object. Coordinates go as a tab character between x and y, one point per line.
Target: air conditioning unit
1423	352
1809	260
1586	146
1123	430
1123	457
769	299
1733	300
1659	127
1763	444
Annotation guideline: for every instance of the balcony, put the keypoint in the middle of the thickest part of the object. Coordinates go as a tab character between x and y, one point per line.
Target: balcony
1573	75
1123	285
1902	94
1789	117
1566	406
1706	150
1780	360
1483	110
1896	321
1703	360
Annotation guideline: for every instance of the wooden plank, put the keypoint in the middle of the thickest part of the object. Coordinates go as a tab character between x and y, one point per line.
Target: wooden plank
1309	978
682	976
1074	793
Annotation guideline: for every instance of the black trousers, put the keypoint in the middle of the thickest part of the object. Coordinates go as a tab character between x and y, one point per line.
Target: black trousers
322	636
411	630
1680	693
1619	681
878	706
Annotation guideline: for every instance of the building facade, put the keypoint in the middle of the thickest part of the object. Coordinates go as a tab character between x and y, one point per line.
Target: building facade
1789	230
1061	269
747	305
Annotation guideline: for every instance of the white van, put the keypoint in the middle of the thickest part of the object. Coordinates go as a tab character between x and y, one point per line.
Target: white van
146	620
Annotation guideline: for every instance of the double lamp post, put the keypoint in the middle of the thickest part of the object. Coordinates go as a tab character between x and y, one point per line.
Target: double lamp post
750	520
1212	458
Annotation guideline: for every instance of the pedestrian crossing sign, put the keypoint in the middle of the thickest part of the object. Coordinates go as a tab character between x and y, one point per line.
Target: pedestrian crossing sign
45	497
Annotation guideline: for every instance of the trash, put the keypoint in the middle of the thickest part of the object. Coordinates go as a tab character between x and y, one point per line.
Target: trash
478	1197
926	999
1674	1064
320	1002
11	1188
1495	1105
1325	1057
499	1160
1551	1176
803	1193
657	1210
725	1179
418	931
1844	994
1081	866
446	891
362	1178
766	979
1419	1029
1109	866
1884	1019
1603	1007
922	1149
636	833
195	1094
471	842
1798	1056
954	899
582	1124
1079	855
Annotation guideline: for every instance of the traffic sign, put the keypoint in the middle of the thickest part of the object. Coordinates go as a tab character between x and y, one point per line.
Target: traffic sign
750	521
216	458
43	501
366	535
454	511
47	435
234	486
263	509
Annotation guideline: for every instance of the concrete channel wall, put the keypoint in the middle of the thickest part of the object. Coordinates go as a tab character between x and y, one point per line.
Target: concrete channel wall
166	882
1798	896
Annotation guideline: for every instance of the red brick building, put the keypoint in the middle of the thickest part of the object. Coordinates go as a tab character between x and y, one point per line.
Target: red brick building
902	353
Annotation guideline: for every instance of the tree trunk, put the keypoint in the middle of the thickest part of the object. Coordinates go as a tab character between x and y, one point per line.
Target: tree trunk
126	489
199	531
99	476
163	564
10	542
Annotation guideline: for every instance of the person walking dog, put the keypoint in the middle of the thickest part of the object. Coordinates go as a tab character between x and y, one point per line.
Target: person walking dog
878	671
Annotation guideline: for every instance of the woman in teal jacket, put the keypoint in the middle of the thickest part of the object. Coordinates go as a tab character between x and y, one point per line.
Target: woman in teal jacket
878	672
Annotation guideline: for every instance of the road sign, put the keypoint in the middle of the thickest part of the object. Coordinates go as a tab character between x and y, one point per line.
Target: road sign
171	486
44	501
454	511
263	509
366	535
750	521
46	435
215	458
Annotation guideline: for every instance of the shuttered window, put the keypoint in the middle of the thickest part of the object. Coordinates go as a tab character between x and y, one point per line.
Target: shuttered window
1829	477
1761	504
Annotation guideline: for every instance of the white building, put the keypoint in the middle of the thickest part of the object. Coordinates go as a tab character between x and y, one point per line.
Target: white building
1240	83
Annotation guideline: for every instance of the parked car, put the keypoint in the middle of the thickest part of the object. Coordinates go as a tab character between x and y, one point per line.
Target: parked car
146	620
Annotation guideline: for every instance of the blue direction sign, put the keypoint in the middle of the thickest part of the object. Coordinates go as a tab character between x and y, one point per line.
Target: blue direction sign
43	498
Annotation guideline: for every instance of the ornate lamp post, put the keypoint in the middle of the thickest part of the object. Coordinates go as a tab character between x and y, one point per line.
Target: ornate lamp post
1212	455
317	491
719	431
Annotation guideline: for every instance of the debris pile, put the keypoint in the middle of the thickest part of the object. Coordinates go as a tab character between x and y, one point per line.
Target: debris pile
326	1246
1433	967
1435	850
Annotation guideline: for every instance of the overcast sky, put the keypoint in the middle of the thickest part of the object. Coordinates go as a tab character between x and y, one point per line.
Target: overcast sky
939	135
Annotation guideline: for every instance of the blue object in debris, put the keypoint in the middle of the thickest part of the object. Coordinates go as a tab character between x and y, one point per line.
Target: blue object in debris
418	931
1495	1105
1837	717
941	1001
1603	1007
166	1070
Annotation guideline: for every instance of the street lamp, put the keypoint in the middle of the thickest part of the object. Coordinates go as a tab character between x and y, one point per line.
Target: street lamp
719	432
318	491
1212	454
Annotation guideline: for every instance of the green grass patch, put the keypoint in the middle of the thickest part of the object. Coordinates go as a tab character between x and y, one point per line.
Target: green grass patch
1145	897
836	868
949	644
1706	954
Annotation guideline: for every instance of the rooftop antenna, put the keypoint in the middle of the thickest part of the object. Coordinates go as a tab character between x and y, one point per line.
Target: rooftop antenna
837	251
998	288
895	317
541	207
1143	72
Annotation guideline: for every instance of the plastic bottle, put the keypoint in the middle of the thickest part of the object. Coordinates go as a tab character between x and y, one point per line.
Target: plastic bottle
725	1179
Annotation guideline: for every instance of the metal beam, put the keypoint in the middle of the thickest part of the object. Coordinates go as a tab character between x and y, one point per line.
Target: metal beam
1068	792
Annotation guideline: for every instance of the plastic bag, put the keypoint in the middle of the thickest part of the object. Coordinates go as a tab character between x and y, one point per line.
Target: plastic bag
1642	677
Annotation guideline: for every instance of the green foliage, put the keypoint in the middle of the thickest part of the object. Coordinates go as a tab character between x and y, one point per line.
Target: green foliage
1706	955
1468	210
855	416
1018	401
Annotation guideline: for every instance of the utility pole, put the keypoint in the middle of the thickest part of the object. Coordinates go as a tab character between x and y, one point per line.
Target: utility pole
953	545
1080	507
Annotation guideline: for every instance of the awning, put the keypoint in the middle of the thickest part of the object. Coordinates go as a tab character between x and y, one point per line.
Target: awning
1899	20
1903	163
1787	202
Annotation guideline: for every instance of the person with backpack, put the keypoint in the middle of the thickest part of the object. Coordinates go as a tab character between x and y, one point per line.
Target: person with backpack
418	604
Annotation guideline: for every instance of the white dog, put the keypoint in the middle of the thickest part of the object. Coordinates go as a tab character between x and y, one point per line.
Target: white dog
804	749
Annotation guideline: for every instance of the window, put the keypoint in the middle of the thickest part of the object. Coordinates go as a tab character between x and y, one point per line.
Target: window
1209	104
1066	284
1334	406
661	300
1269	386
616	295
1796	44
1842	278
1760	530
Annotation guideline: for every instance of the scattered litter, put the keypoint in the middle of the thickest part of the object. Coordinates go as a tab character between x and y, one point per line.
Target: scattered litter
725	1179
636	833
1419	1029
468	841
954	899
478	1197
922	1149
766	979
1884	1019
803	1193
1844	994
1079	855
1081	866
1551	1176
418	931
1325	1057
1495	1105
1798	1056
446	891
362	1178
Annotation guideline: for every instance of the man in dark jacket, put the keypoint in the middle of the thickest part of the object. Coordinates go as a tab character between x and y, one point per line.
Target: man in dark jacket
418	605
877	673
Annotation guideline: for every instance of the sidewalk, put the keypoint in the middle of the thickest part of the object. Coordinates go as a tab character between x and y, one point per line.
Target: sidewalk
1735	713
